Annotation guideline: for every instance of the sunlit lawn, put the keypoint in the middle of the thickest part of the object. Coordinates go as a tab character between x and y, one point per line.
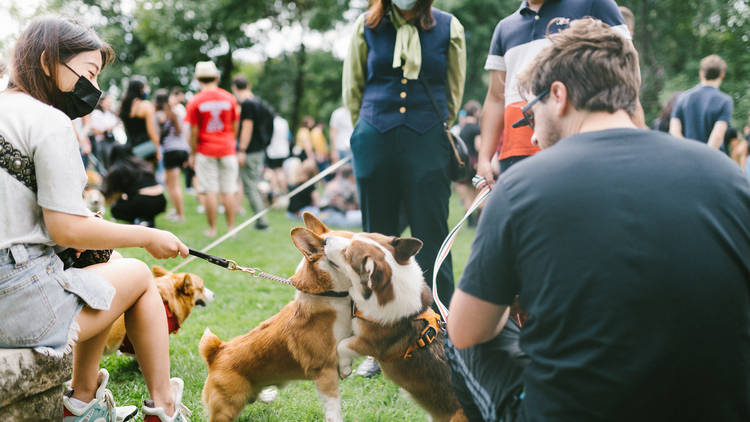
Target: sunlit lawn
242	302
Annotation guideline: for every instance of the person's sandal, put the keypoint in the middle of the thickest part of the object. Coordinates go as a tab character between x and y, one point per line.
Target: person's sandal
157	414
102	408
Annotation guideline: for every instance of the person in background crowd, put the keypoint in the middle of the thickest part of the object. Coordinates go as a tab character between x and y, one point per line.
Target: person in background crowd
661	123
251	147
130	185
470	133
703	113
627	14
303	145
137	116
176	150
516	41
341	129
402	53
615	332
214	117
736	147
102	122
276	152
56	63
320	146
82	128
308	198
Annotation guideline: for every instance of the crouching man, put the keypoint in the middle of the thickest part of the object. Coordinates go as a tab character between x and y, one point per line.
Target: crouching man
628	249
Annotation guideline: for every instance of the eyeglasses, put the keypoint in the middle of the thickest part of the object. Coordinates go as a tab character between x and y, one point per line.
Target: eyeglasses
528	116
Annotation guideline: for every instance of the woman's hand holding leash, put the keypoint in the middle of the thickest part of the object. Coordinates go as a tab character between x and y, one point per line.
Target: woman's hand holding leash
163	244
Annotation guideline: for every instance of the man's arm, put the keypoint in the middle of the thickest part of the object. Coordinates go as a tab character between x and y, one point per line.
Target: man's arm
193	145
675	127
493	122
474	321
716	138
246	134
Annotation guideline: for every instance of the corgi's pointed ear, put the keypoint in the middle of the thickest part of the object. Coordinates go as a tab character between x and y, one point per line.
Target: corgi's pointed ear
159	271
405	248
310	244
186	285
313	223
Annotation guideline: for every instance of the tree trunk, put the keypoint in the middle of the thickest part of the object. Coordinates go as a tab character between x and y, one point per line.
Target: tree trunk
299	88
225	81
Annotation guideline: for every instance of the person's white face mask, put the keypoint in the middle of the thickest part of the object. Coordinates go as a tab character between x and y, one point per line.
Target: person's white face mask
405	4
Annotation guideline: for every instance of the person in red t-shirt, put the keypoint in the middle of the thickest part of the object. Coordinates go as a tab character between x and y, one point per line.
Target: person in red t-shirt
214	120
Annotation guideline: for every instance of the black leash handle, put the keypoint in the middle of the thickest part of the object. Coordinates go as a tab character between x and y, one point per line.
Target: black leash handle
216	260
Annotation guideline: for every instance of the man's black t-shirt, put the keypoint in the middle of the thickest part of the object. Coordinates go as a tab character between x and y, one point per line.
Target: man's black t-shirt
249	110
630	250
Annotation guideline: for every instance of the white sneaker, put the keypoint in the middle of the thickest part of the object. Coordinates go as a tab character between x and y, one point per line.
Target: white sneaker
368	368
268	394
157	414
101	409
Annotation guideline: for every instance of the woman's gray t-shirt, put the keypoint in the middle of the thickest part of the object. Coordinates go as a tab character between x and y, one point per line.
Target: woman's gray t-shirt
46	135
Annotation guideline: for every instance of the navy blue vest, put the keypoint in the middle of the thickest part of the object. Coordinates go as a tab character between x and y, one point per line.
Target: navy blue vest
389	99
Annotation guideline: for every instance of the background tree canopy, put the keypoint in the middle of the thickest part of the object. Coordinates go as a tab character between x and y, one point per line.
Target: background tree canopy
162	39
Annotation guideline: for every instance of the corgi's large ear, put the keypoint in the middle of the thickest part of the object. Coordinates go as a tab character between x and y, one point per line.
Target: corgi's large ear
310	244
405	248
186	286
312	223
159	271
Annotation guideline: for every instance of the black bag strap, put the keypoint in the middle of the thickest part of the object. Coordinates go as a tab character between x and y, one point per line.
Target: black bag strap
18	165
446	129
427	89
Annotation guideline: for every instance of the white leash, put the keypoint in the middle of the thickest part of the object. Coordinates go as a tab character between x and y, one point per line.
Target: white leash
252	219
484	191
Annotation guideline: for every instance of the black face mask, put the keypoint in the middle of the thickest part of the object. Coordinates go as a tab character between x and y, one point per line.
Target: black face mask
81	100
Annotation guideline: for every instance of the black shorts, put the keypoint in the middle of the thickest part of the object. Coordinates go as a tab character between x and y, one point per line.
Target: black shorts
274	163
175	159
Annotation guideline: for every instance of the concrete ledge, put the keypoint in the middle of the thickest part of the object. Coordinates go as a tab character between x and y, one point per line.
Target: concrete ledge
31	385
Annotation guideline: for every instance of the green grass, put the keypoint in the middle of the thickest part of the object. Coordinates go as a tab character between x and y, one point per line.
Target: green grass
241	303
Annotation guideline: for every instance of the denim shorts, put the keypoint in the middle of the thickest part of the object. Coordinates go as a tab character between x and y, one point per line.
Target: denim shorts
39	301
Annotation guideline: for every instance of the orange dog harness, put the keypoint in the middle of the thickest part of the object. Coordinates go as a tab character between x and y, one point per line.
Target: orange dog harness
426	337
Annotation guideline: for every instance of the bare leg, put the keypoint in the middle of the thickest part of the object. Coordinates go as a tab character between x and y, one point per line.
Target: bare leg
174	190
146	324
230	208
211	205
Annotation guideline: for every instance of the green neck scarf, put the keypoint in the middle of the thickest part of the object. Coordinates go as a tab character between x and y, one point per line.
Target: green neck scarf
407	47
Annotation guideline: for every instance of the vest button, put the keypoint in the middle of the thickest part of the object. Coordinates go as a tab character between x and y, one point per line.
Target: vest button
403	81
402	110
403	94
17	163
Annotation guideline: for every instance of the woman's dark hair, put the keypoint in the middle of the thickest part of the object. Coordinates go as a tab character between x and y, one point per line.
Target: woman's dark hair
54	41
161	102
124	167
136	85
665	115
422	9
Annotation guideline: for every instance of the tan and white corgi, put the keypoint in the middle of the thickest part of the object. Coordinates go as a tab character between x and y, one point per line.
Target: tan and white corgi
394	322
299	342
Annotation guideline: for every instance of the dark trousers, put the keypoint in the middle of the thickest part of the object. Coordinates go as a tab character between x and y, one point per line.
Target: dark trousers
142	208
507	162
402	168
487	377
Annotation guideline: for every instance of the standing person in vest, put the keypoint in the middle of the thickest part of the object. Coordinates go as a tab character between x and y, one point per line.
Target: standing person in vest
401	154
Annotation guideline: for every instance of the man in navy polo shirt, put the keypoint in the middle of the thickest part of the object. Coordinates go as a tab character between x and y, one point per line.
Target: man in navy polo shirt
516	41
638	300
703	113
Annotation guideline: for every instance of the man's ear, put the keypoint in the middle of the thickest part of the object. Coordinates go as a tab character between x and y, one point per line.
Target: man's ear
405	248
313	223
310	244
558	93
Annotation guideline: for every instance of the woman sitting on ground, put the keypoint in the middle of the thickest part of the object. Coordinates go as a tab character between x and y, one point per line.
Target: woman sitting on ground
55	65
130	184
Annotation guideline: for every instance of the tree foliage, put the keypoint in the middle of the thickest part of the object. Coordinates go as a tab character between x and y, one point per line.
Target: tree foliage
163	39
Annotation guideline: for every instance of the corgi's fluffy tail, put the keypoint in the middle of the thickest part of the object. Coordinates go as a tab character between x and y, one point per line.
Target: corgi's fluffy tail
209	345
